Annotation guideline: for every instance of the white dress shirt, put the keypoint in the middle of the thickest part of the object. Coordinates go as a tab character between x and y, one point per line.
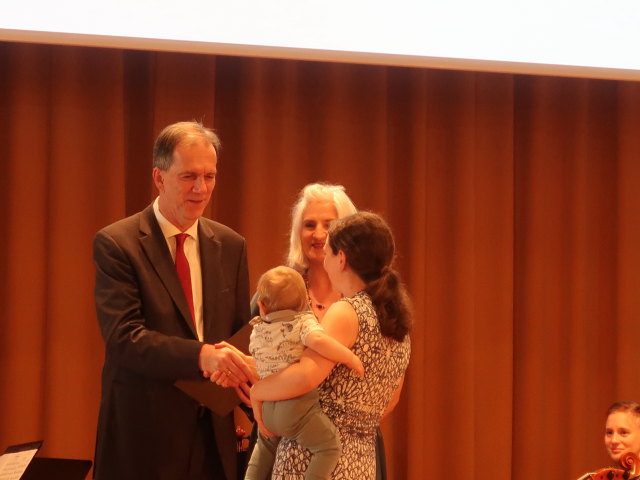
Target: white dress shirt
192	252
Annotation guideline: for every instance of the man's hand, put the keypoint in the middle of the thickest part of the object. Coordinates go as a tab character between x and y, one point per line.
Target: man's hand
224	344
226	366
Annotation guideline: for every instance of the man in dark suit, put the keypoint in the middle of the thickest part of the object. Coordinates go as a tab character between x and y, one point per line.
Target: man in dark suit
156	333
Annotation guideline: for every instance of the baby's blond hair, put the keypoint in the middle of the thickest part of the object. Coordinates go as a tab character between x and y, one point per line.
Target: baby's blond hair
282	288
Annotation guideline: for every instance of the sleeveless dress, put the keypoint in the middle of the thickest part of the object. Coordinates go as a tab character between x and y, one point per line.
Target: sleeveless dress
354	405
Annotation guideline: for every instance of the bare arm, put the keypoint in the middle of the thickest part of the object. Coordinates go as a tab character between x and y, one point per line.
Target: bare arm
341	322
330	348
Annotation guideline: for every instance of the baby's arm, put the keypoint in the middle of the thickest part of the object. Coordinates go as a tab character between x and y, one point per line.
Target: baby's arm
321	342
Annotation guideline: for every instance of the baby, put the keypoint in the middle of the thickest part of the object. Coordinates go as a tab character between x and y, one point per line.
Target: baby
280	334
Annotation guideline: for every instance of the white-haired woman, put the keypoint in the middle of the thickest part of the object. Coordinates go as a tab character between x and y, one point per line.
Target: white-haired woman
317	205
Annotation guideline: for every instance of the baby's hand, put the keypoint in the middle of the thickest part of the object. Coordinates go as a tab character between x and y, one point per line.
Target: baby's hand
356	365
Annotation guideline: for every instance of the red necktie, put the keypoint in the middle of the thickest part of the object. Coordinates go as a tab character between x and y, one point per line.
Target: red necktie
184	273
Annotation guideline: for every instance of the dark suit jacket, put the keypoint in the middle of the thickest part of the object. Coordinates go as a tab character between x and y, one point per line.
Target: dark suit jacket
146	426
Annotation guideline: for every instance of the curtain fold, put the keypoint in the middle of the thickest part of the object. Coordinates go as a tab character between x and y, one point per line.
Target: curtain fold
513	200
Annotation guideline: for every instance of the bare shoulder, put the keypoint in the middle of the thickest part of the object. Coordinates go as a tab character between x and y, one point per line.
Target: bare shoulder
341	322
341	311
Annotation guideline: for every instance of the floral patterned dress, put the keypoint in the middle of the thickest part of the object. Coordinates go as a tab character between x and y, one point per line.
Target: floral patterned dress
354	404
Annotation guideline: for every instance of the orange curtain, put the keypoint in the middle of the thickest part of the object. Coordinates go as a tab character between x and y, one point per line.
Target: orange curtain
514	200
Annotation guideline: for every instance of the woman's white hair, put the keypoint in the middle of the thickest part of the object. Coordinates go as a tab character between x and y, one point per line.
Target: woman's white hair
314	192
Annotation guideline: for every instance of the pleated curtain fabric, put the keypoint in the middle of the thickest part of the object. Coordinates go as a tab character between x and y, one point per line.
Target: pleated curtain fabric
513	200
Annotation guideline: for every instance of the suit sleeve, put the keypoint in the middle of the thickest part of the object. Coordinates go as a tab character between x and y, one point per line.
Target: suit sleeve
121	316
242	307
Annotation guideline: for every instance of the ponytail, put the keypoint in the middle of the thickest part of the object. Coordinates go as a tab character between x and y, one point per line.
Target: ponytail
391	303
368	244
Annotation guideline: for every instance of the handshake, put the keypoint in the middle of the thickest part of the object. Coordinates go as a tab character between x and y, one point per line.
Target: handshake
227	366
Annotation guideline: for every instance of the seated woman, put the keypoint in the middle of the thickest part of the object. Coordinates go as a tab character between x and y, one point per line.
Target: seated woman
373	319
622	441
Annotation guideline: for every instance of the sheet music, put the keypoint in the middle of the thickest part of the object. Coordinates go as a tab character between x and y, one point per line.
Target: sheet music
13	465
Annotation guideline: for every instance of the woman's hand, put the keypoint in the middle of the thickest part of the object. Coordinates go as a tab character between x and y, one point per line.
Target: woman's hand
257	415
244	393
355	364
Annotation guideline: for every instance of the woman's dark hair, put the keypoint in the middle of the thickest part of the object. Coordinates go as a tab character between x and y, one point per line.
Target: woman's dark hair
624	406
367	242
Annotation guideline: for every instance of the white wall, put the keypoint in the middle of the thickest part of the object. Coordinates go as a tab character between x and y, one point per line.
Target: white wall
574	37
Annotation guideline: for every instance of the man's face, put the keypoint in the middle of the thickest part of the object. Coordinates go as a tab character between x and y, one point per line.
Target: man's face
185	189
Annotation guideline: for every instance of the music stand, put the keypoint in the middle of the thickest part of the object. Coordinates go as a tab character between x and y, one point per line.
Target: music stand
18	462
42	468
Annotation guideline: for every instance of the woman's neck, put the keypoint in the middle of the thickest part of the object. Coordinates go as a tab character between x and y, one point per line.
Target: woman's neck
320	290
351	284
319	284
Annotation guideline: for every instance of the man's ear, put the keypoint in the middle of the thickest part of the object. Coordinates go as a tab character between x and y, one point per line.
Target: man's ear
158	178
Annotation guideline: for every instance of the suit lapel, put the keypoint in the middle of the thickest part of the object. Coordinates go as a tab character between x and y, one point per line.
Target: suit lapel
212	284
155	247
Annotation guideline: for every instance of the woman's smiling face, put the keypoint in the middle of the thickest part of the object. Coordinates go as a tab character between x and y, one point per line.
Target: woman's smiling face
622	434
315	223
